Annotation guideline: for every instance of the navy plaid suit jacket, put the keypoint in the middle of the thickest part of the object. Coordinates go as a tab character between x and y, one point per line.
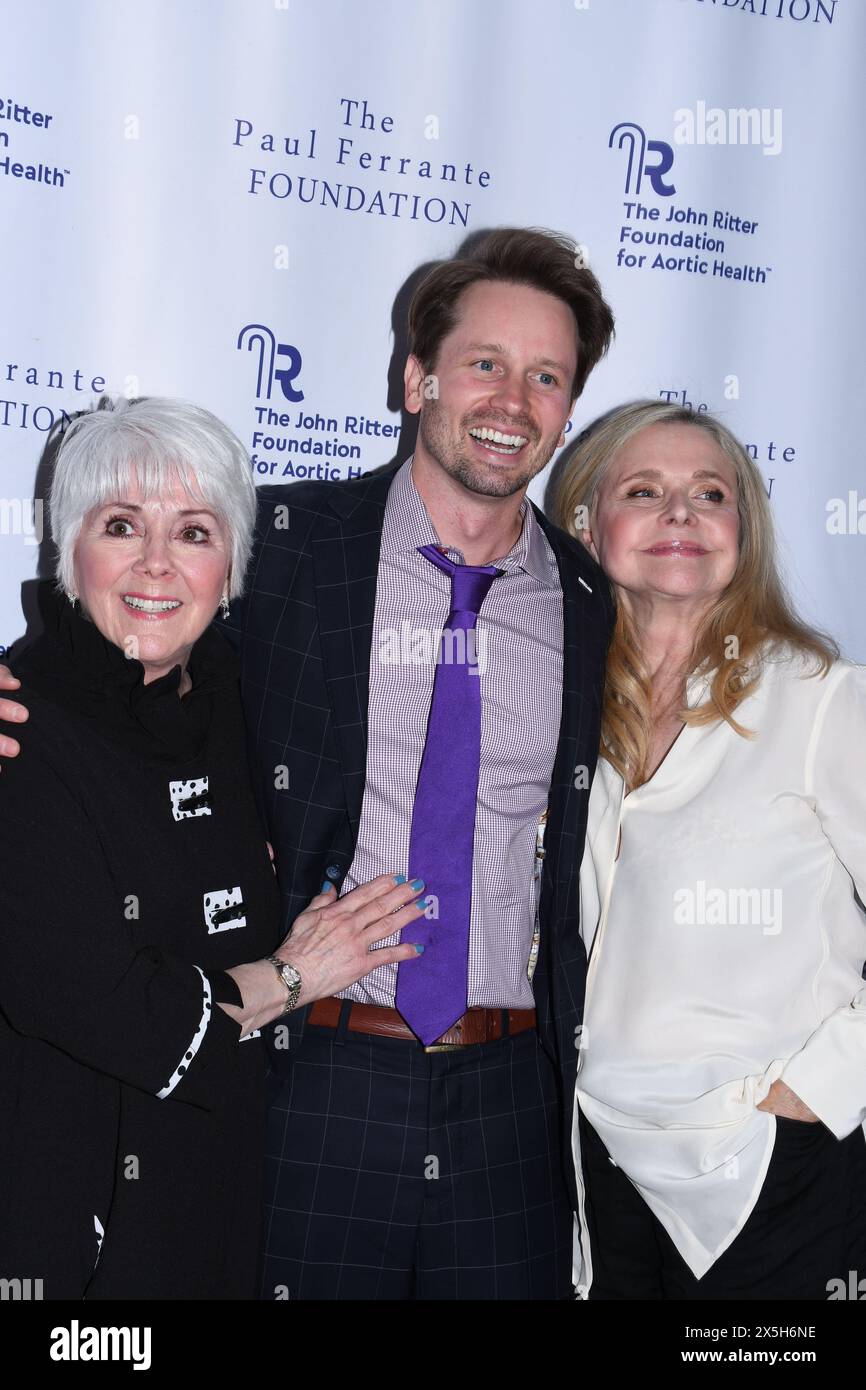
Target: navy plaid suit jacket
304	632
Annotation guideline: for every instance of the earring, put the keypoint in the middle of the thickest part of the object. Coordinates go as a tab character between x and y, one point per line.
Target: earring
73	599
224	605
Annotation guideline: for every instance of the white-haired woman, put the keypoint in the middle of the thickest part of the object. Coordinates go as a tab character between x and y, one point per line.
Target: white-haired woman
721	1090
139	914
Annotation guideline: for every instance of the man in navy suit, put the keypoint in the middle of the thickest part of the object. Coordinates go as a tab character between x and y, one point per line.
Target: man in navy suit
396	1169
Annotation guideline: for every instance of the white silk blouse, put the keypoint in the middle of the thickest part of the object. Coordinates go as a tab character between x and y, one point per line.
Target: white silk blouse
726	949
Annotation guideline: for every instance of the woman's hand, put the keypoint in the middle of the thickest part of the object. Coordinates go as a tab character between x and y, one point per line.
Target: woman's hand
781	1100
333	943
10	712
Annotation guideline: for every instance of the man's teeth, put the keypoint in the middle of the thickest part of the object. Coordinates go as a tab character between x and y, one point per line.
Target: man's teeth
151	605
505	443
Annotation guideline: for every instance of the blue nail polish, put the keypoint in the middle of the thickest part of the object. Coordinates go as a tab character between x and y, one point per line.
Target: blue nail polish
399	878
421	902
325	886
417	884
419	948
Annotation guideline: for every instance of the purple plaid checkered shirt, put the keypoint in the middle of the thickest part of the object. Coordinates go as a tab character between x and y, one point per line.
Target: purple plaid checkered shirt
519	651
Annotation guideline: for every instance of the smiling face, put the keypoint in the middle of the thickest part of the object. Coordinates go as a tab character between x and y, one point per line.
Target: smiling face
503	376
154	572
666	525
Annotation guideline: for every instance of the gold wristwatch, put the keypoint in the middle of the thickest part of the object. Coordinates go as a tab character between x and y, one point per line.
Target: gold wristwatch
291	979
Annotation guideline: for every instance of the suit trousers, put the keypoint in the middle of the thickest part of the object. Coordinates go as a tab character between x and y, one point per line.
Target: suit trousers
807	1228
395	1173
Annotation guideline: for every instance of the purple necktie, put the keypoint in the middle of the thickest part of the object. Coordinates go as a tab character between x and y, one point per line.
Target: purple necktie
432	991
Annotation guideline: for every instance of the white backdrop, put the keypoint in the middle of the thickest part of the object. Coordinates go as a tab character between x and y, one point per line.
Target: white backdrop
225	200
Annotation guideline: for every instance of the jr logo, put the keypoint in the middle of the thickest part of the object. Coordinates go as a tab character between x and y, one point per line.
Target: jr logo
634	137
256	335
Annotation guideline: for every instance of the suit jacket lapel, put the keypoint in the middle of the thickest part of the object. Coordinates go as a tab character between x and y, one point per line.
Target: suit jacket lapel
564	772
345	563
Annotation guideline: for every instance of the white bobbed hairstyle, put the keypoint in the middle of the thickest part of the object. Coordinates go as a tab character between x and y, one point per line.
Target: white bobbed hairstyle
156	442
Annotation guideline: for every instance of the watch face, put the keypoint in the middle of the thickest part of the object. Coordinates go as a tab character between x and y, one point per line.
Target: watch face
292	982
290	977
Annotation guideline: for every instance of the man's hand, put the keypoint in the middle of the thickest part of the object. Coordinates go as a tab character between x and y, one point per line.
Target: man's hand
10	713
781	1100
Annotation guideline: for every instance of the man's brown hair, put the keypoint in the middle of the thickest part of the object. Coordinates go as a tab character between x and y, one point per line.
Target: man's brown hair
544	260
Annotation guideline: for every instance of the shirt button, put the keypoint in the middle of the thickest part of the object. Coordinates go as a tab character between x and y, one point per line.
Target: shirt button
332	871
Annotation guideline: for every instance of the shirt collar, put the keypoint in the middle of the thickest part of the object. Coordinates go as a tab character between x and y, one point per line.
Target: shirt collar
407	525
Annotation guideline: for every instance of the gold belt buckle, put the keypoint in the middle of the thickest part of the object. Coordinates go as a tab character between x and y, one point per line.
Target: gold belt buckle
448	1047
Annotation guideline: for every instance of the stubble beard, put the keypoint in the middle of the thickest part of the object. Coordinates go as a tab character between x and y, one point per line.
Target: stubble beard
470	472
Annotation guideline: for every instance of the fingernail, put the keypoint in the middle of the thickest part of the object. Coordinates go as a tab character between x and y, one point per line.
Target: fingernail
417	884
419	948
421	902
399	878
325	886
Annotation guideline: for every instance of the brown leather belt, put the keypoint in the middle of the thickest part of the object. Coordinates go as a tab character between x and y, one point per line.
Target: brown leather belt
476	1025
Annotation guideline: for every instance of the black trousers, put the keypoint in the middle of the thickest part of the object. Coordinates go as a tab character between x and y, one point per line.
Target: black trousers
808	1226
391	1173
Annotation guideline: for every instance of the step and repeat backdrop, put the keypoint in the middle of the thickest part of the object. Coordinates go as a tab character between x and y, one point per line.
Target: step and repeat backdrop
231	201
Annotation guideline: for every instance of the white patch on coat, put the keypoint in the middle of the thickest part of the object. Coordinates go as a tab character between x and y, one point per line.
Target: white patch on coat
181	792
215	904
100	1236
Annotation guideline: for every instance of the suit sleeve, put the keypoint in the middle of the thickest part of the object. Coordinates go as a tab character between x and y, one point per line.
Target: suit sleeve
829	1071
70	972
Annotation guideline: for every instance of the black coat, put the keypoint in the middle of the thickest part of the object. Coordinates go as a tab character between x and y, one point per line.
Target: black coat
304	632
115	851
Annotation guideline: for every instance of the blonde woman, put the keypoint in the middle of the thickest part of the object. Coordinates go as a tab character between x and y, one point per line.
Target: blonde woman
721	1091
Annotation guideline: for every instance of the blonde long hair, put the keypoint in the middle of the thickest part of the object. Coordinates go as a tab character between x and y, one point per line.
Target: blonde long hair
754	607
